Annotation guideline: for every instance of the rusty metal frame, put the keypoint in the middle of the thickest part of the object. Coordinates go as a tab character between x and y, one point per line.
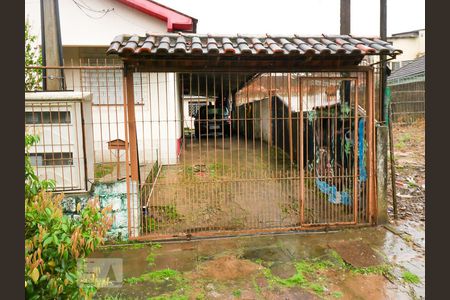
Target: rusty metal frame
131	145
303	226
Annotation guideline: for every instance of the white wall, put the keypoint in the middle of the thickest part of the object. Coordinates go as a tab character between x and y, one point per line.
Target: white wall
57	138
79	29
158	119
158	124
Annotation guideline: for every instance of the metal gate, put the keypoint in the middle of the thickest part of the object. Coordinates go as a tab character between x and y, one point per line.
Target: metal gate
230	153
210	153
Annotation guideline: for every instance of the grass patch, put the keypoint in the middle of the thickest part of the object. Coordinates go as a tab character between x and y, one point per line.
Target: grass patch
305	277
384	269
169	297
309	273
237	293
151	255
337	294
103	169
161	214
405	138
156	277
217	170
409	277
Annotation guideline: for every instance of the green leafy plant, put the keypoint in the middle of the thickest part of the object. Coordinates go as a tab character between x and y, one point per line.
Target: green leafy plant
55	243
33	77
32	182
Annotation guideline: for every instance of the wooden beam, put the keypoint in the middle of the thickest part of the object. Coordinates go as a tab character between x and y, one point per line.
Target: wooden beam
134	207
331	63
132	124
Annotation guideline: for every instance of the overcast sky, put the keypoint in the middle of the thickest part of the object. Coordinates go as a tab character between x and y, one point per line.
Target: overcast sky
300	16
304	17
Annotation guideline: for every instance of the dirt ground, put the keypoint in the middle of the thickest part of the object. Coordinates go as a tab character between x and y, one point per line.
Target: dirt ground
409	145
234	183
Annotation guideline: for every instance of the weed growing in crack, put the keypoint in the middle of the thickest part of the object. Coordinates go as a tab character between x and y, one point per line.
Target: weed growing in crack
237	293
409	277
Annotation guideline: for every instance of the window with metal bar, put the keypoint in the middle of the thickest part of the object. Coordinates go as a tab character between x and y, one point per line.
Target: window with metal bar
47	117
51	159
106	86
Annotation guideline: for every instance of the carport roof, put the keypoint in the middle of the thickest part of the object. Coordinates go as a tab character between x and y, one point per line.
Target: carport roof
177	52
177	44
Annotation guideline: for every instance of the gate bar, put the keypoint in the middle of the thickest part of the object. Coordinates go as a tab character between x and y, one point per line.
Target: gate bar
370	138
356	155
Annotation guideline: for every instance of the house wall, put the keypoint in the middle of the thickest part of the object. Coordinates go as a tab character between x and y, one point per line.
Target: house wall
158	112
77	26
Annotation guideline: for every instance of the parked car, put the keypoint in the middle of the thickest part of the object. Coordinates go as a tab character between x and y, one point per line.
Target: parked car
212	120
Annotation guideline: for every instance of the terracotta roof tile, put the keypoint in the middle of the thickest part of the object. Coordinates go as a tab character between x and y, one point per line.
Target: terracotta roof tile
195	44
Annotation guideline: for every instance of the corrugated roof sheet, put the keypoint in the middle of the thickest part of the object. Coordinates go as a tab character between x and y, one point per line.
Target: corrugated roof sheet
240	45
413	68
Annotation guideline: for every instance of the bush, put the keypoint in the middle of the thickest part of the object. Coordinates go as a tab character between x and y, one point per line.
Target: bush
55	242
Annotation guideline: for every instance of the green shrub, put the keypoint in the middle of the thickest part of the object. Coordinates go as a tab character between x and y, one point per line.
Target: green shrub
55	242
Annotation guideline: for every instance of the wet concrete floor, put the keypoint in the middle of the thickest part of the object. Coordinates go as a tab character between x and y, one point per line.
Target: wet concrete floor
245	267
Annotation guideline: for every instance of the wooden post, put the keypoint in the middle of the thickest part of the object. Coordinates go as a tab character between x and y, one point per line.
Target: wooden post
133	180
132	125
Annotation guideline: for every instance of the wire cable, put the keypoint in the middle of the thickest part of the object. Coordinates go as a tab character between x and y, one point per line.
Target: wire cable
85	8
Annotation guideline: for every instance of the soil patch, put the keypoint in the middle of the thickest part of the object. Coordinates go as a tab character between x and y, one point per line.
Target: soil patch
226	268
292	293
352	287
356	253
409	147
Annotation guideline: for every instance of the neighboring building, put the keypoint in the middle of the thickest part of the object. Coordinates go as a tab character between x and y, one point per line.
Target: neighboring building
408	91
154	107
413	45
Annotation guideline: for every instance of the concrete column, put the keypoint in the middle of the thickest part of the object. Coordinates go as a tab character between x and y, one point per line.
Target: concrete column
51	44
382	173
